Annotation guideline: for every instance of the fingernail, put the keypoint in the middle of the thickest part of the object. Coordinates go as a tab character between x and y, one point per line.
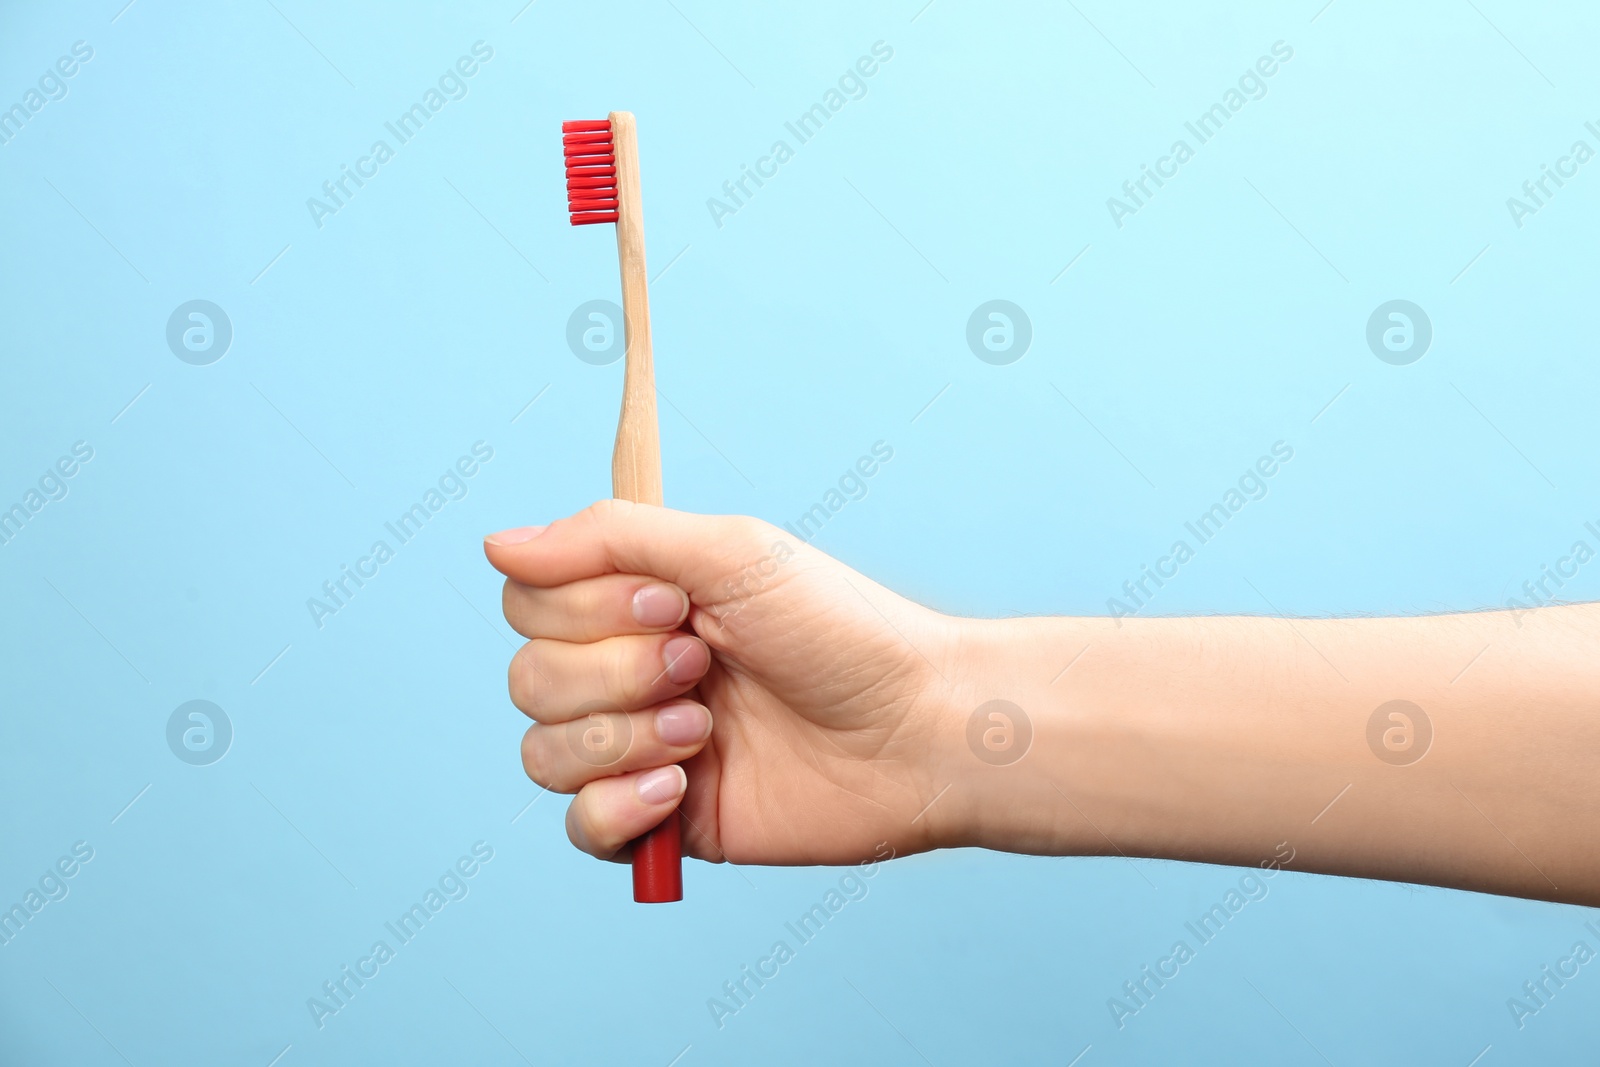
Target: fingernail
516	536
662	785
681	659
683	724
659	605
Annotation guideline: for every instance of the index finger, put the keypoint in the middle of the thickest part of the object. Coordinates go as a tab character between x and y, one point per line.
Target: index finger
622	537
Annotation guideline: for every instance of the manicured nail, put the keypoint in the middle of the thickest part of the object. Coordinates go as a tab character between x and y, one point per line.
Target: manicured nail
683	724
516	536
659	605
662	785
681	658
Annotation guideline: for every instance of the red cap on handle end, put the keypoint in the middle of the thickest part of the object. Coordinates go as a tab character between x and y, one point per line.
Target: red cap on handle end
657	866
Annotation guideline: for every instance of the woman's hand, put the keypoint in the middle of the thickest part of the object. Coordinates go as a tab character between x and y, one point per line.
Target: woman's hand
842	716
804	700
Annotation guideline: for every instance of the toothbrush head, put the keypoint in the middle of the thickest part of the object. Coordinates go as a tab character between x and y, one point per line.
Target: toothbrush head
591	171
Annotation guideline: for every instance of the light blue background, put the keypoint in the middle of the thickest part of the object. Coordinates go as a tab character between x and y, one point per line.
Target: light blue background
823	316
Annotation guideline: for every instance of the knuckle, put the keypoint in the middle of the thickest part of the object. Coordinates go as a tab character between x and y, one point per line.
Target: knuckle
581	828
749	529
542	760
577	608
526	681
512	601
534	761
607	511
600	738
619	672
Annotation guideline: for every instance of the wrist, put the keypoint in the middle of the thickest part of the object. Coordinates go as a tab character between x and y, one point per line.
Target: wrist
1079	737
1020	733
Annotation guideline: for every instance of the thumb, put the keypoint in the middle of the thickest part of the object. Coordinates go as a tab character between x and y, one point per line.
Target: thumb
695	552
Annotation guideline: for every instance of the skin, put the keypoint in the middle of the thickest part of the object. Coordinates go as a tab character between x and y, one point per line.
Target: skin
819	715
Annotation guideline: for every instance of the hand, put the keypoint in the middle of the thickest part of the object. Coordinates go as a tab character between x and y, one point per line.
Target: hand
820	716
801	698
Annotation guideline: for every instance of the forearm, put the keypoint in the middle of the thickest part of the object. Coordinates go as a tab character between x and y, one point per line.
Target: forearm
1217	739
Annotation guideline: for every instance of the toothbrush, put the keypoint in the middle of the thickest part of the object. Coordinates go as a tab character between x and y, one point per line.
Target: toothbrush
603	186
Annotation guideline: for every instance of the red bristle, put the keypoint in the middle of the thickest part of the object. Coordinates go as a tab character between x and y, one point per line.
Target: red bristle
591	171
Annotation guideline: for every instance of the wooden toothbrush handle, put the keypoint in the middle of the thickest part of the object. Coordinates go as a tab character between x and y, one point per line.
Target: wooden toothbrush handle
636	460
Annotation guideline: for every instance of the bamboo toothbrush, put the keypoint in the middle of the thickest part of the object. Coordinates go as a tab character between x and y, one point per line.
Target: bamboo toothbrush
603	186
